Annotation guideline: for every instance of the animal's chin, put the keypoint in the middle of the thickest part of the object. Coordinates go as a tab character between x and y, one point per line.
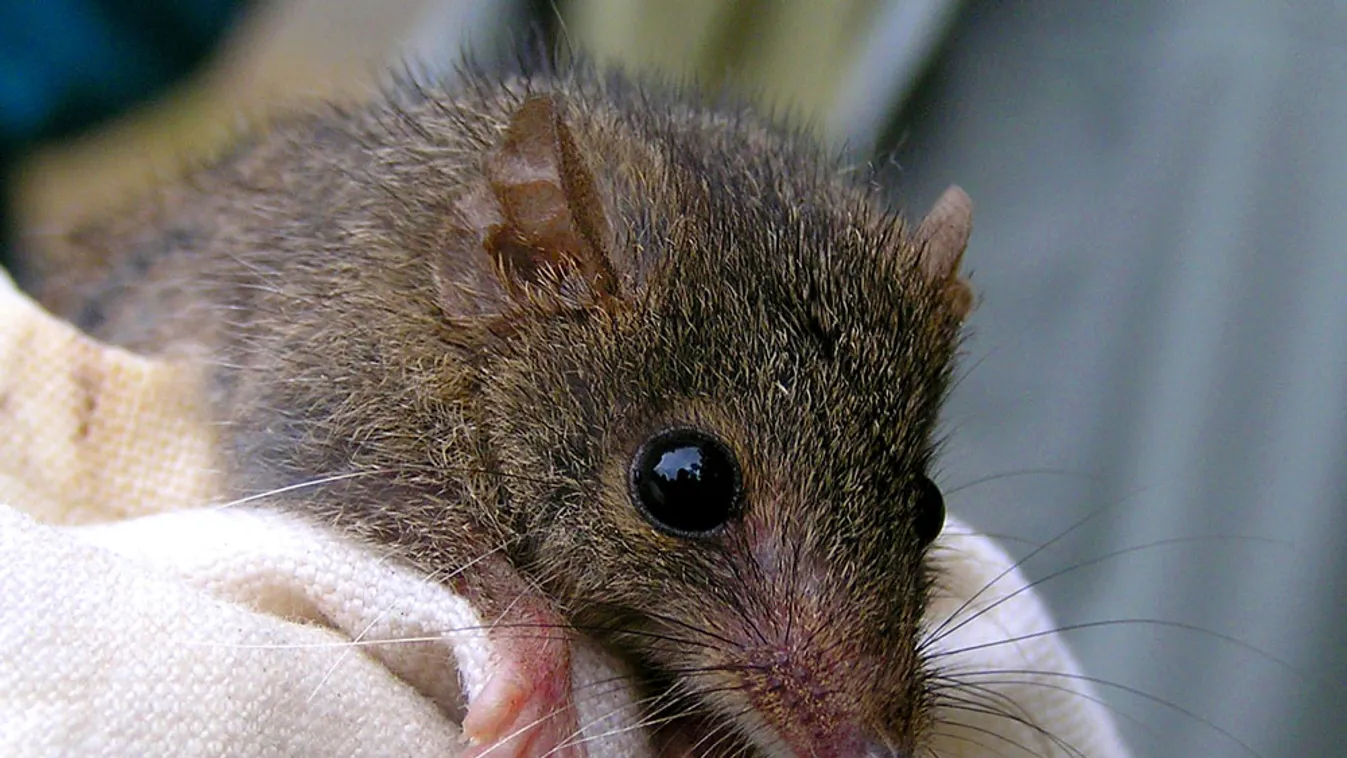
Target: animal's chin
691	737
695	737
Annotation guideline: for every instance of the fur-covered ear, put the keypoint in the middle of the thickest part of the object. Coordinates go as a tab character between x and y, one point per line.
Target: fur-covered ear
539	218
942	238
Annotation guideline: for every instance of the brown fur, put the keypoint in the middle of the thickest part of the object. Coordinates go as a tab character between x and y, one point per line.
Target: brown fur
337	278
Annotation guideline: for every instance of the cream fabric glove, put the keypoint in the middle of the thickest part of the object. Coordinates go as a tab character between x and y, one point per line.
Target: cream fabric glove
140	620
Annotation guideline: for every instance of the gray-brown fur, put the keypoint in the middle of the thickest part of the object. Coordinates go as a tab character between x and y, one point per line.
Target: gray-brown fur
350	320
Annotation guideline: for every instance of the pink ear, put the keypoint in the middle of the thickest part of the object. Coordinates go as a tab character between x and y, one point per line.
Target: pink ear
553	233
538	220
942	238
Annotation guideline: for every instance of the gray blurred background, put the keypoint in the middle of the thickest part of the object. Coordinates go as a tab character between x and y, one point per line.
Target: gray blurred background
1159	364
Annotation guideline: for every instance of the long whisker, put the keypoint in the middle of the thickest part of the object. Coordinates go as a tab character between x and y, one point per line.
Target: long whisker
664	618
991	697
1079	523
579	737
624	631
1059	742
349	475
983	747
995	734
944	682
1066	473
1016	713
295	487
1131	691
725	726
1083	565
1164	623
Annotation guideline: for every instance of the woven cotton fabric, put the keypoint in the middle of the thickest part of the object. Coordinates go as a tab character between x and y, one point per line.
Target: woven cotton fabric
143	618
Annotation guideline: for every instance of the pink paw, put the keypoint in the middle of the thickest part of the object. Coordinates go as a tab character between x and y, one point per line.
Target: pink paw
525	710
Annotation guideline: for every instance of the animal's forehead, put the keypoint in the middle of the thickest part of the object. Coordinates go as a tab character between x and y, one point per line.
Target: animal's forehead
781	206
784	282
797	357
802	273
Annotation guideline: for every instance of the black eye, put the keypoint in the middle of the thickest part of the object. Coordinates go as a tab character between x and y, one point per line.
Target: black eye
686	483
930	510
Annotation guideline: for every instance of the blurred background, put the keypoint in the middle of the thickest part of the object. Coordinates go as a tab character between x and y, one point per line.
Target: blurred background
1156	387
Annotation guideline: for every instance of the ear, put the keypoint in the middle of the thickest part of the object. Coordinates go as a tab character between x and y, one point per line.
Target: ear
539	220
941	239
